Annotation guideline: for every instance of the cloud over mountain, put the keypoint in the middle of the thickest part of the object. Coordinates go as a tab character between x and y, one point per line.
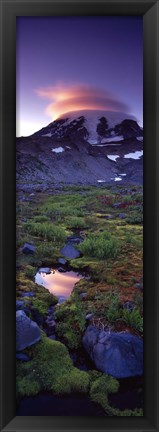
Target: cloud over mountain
66	97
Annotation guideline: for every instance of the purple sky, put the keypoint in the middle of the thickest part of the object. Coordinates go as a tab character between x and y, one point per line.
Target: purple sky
77	62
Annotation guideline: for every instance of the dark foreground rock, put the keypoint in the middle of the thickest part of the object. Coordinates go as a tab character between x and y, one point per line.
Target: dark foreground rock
27	331
117	354
22	357
70	252
28	248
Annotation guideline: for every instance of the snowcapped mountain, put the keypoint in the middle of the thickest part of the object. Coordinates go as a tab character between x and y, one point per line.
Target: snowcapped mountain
85	147
94	126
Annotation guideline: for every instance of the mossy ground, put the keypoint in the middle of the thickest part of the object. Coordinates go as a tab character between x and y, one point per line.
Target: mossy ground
112	263
51	368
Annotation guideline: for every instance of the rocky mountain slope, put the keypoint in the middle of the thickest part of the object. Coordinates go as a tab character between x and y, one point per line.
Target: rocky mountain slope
85	147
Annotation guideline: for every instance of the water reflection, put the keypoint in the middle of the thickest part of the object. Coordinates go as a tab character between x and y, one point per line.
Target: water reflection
58	283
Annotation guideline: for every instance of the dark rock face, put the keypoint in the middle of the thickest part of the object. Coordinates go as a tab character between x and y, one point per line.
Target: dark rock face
102	127
28	248
116	354
40	165
27	331
129	129
70	252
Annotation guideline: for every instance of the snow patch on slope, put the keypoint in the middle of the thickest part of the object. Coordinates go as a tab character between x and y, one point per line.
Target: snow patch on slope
112	157
135	155
49	134
58	150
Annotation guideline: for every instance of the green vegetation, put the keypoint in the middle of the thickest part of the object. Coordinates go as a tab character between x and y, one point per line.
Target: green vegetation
133	319
99	392
50	369
71	322
112	262
100	246
46	230
42	298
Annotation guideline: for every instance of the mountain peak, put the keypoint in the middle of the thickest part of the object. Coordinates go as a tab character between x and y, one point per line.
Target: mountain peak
93	126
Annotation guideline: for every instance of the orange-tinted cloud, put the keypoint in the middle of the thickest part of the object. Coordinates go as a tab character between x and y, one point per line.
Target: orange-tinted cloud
66	98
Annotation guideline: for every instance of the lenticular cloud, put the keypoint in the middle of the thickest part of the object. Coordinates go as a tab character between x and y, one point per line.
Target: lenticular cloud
66	98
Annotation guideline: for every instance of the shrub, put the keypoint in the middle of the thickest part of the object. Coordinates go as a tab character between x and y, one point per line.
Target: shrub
101	246
46	230
71	322
135	219
40	218
76	222
30	271
133	319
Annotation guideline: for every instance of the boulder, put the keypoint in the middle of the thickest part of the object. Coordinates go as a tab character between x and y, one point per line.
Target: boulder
22	357
122	215
19	304
62	261
139	286
89	316
44	270
52	337
83	295
75	239
61	299
28	248
27	331
62	270
28	294
70	252
116	354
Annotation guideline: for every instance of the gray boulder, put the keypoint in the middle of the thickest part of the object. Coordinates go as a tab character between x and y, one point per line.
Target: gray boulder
19	304
52	337
70	252
28	294
122	215
27	331
22	357
28	248
75	239
89	316
44	270
62	261
62	270
116	354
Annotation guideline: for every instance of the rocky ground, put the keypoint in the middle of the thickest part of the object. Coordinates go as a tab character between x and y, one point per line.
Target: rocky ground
80	163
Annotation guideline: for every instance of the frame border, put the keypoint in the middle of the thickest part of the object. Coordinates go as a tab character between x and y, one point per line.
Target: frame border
149	9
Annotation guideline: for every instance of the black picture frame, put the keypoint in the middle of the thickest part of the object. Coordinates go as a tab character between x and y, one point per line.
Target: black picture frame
150	12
